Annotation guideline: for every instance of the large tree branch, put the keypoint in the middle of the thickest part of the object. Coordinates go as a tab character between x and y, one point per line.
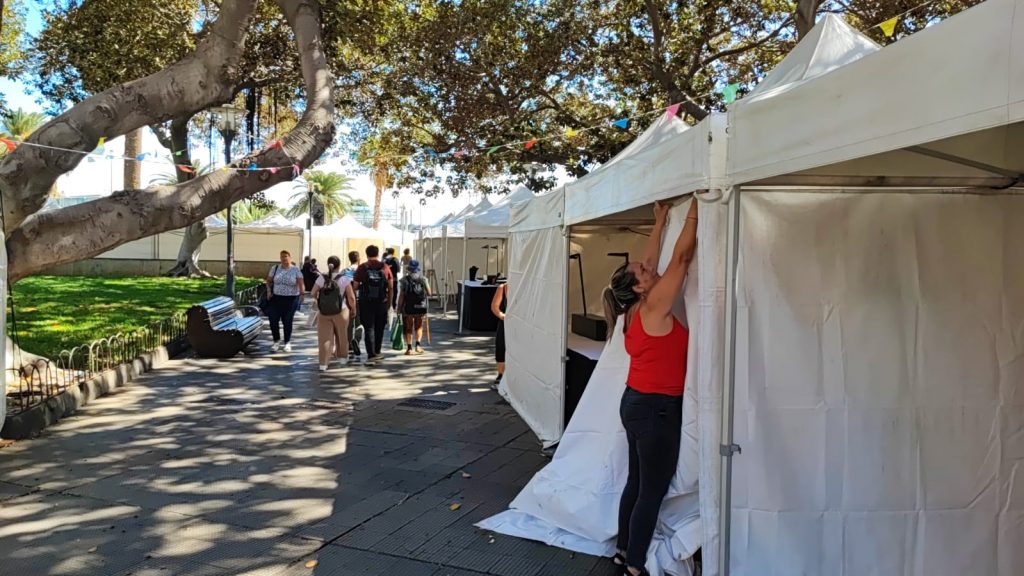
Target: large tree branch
747	47
204	78
86	230
661	74
806	11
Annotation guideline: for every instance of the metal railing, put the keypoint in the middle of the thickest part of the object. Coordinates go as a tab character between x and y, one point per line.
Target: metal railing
36	382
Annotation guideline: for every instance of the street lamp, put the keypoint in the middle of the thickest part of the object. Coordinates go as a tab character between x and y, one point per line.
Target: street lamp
227	119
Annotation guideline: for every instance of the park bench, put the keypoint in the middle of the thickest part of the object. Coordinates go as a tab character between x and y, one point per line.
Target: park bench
219	328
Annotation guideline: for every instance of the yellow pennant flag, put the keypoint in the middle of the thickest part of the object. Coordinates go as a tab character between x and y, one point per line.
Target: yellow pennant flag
889	26
570	133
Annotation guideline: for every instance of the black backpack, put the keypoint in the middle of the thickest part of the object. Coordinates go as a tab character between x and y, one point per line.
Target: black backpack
393	264
375	287
415	293
330	300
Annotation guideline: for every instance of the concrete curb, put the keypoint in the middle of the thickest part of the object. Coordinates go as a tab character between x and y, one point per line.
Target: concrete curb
33	421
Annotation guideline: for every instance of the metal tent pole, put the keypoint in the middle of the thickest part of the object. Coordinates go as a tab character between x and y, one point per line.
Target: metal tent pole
462	292
444	272
727	449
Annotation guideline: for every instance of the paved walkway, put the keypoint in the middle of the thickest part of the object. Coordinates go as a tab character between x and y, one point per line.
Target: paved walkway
262	466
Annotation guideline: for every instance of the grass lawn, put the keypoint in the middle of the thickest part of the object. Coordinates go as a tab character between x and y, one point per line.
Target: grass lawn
56	313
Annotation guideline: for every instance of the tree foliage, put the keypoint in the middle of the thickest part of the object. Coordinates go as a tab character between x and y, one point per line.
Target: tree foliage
12	38
448	75
20	124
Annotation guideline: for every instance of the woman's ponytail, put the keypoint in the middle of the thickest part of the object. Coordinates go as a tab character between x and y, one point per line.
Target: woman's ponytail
619	296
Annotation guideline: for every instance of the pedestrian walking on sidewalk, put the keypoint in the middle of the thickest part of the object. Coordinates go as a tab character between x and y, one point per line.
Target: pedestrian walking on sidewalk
374	283
396	269
335	300
285	286
355	329
412	304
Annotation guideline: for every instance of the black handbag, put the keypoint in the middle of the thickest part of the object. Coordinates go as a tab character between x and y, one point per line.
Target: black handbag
264	302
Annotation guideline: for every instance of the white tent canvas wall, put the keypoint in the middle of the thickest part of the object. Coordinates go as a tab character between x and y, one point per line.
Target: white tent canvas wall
571	502
877	326
342	237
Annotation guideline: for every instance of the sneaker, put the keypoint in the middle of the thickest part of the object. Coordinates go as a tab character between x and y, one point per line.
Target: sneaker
497	382
408	352
275	347
370	361
323	367
287	347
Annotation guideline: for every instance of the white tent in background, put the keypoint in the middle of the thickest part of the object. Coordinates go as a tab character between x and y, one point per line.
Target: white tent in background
572	502
491	225
875	379
342	237
393	237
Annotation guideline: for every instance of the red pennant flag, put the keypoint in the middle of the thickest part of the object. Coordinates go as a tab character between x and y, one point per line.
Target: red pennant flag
276	144
9	144
531	143
186	169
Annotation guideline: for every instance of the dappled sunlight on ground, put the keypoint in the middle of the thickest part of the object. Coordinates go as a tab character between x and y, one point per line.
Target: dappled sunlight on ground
262	465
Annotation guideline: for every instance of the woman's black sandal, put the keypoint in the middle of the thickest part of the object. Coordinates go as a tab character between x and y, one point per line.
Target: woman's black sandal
619	560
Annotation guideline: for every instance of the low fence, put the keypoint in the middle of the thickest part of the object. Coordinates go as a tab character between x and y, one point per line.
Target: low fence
35	383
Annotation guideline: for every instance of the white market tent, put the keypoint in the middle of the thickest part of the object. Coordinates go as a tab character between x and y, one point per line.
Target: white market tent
571	502
436	251
342	237
874	342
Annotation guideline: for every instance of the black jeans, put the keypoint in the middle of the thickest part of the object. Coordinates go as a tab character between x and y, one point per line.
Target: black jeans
653	425
353	344
282	310
374	317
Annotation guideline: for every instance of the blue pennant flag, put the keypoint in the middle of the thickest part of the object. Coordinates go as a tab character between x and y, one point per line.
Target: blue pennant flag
252	168
624	123
141	157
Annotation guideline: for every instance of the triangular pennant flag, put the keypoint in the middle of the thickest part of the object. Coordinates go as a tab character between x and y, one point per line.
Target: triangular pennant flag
570	133
225	169
672	111
492	150
459	153
179	152
186	169
729	93
99	145
9	144
142	156
276	144
252	168
531	143
889	26
430	152
623	123
296	170
274	170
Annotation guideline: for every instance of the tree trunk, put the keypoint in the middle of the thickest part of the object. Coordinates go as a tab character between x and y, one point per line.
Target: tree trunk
187	264
806	14
133	168
380	182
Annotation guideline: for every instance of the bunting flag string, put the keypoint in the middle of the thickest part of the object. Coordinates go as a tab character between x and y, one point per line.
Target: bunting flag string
888	26
11	144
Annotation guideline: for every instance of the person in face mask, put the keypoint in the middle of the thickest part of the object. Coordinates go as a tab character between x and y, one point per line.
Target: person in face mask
413	294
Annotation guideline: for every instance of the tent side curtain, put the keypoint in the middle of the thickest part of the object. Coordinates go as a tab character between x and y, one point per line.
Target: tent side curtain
534	330
964	75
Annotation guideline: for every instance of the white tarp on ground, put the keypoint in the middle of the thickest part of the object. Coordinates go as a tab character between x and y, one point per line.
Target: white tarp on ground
573	502
535	323
880	385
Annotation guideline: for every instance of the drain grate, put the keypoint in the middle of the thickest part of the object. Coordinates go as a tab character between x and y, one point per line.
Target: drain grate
424	404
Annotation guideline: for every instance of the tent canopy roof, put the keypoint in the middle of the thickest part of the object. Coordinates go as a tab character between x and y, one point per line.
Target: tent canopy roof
941	108
494	222
348	227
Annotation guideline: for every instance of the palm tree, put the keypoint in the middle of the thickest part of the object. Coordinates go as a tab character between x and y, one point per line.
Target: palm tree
20	124
329	194
247	211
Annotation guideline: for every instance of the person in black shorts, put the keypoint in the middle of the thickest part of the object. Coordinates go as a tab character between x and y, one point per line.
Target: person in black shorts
412	303
498	307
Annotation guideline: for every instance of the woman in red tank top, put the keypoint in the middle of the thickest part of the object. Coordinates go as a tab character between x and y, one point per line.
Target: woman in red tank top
652	405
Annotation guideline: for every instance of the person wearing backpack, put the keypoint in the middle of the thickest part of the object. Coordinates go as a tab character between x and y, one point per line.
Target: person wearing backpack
335	300
373	281
396	268
412	303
